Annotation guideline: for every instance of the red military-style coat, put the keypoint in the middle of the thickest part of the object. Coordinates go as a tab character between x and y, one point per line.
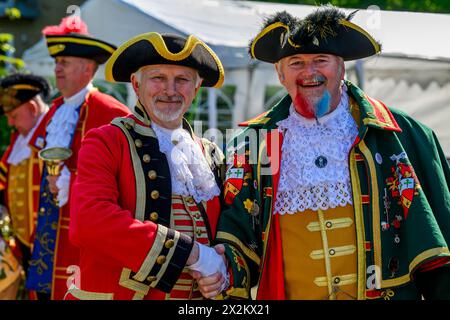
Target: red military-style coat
113	214
98	109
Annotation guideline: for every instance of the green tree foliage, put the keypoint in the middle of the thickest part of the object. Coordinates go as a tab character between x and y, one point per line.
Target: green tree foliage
8	65
437	6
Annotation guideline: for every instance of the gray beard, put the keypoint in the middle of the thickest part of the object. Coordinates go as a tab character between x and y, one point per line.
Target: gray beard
168	116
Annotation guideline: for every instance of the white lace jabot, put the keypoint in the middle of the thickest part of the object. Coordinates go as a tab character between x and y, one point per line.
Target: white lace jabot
314	163
189	171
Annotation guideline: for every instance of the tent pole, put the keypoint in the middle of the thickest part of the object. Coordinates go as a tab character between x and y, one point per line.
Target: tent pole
359	69
212	108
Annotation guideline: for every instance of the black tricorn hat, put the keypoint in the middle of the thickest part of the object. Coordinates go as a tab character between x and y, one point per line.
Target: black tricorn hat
71	38
18	88
78	45
154	48
327	30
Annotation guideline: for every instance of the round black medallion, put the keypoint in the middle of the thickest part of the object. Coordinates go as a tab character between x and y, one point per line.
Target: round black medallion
321	162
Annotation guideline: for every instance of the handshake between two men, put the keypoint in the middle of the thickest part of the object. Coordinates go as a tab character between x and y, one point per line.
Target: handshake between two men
208	266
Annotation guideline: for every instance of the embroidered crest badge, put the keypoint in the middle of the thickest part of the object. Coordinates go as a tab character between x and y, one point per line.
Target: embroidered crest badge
404	184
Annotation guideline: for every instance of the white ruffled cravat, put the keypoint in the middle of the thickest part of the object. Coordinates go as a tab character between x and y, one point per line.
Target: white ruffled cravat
314	163
21	150
59	134
189	171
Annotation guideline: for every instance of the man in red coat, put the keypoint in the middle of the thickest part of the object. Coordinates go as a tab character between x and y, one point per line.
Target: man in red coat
22	99
146	199
80	108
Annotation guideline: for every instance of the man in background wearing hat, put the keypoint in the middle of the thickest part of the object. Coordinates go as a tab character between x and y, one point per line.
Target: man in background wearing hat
22	99
80	108
348	199
146	199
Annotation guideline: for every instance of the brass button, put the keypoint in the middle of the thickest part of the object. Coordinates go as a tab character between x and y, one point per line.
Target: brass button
175	142
154	194
42	209
154	216
152	174
138	143
151	278
44	194
169	243
190	200
161	259
146	158
332	252
198	232
128	126
328	224
337	280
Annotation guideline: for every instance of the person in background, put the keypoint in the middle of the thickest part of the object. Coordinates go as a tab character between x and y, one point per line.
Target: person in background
22	100
80	108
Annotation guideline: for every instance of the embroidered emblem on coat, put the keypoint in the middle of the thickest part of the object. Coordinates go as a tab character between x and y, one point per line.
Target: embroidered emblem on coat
403	184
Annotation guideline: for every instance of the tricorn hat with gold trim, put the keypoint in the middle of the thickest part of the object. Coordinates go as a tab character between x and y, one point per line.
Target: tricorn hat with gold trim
71	38
327	30
18	88
154	48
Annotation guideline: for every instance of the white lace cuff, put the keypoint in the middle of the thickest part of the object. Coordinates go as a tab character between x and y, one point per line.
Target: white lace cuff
63	184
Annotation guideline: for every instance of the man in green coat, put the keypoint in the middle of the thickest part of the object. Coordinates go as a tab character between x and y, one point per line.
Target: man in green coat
331	194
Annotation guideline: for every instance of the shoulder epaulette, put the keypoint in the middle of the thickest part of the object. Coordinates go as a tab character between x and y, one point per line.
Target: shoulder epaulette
381	117
258	120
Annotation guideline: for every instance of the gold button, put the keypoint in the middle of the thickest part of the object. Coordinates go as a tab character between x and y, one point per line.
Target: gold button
152	174
146	158
154	216
138	143
332	252
151	278
44	194
169	243
161	259
198	232
154	194
128	126
175	142
337	280
190	200
42	209
329	224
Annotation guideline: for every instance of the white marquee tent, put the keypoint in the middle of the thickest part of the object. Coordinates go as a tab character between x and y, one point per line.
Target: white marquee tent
412	73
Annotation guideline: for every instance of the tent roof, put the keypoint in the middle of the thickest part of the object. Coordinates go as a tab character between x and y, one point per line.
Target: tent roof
233	23
228	26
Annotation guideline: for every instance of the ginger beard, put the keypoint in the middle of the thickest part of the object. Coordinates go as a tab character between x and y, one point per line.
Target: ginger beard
308	101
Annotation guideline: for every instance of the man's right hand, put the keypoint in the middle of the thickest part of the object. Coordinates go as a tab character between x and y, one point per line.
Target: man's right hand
52	184
212	285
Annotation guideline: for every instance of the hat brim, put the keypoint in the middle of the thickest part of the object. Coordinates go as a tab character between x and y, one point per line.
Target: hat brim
152	48
77	45
349	42
17	89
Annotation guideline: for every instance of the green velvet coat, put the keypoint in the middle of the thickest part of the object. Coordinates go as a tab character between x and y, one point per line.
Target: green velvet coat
400	183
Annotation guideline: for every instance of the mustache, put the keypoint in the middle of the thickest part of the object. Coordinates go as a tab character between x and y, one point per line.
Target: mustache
166	98
315	78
